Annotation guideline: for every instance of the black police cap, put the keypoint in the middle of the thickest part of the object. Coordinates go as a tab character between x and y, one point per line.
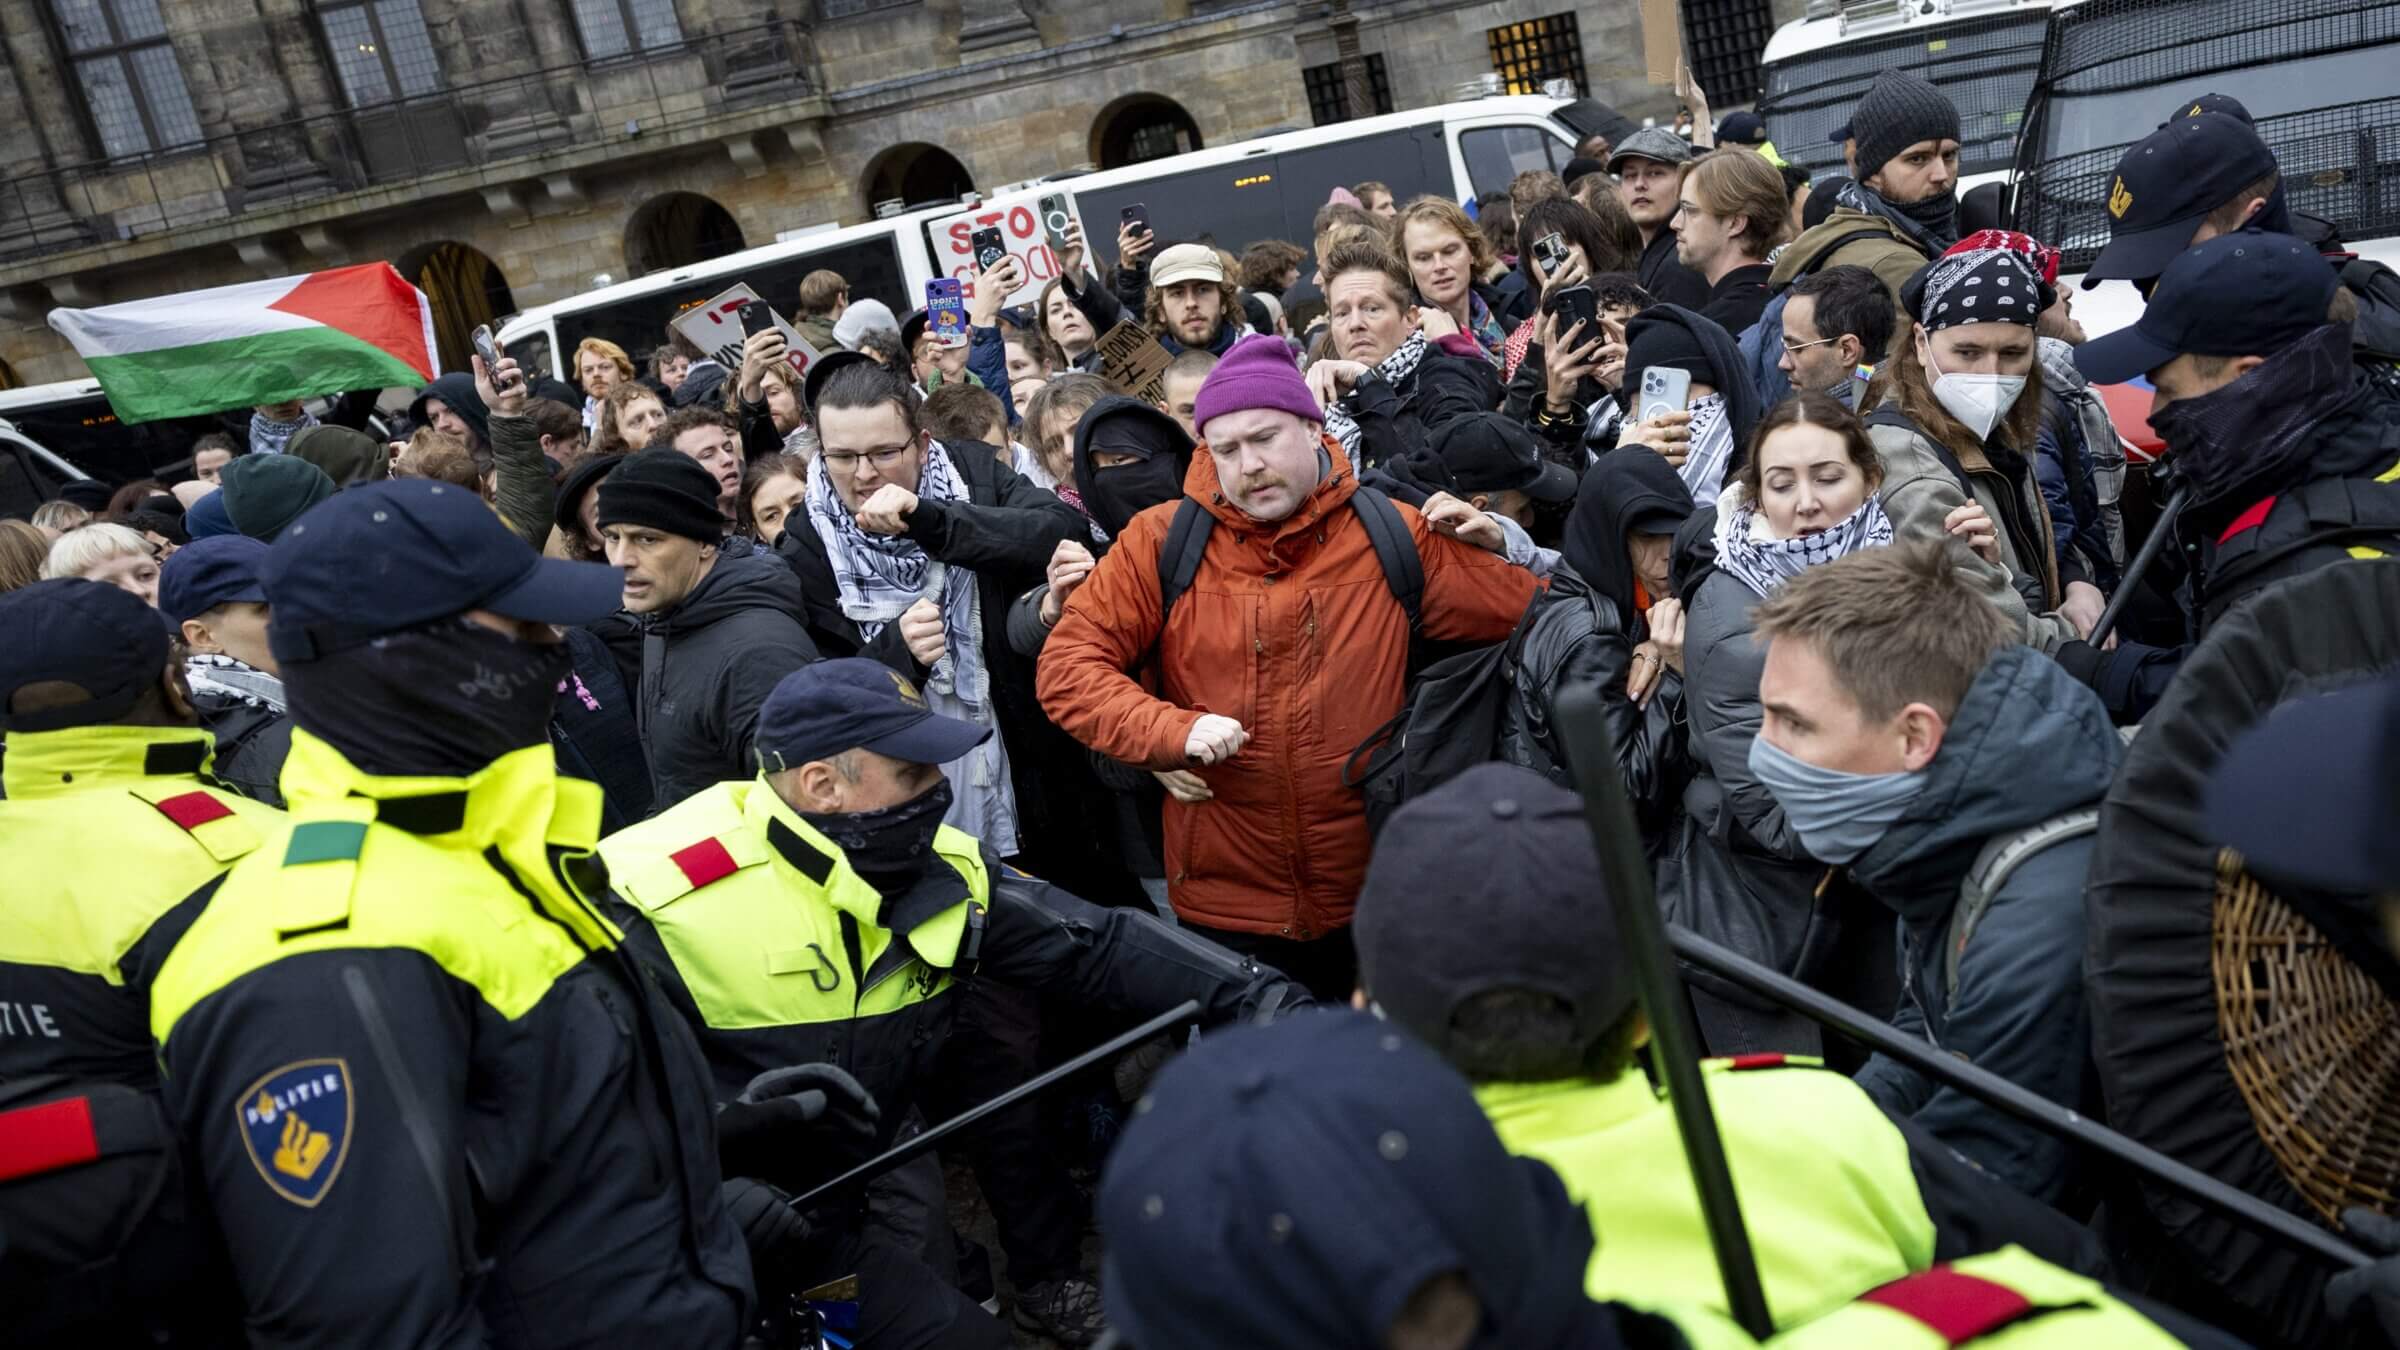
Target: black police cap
2166	183
396	555
85	633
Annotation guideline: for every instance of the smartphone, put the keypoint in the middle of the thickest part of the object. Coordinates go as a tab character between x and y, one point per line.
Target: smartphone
1664	390
1575	304
990	247
1056	217
1551	252
757	317
1137	215
487	347
946	311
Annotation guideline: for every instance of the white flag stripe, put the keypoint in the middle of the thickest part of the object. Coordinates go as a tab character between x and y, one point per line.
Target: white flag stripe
181	320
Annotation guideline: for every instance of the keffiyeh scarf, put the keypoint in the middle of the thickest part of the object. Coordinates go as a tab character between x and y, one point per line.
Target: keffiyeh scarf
1763	562
879	576
1395	370
208	673
1703	469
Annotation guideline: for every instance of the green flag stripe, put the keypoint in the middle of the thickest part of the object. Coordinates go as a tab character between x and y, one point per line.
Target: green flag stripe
238	372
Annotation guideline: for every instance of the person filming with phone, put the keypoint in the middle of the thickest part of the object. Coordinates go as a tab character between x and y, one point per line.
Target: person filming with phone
1185	298
1687	396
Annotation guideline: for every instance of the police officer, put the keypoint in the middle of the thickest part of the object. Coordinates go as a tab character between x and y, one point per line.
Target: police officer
823	911
1538	1009
114	839
431	1100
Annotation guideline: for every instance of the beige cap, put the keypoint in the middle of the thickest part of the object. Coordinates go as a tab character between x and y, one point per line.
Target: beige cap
1187	262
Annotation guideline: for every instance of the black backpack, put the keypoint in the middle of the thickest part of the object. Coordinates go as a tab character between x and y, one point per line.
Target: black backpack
1443	691
1403	571
1450	722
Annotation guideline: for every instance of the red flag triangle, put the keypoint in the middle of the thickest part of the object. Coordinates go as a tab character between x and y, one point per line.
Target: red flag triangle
369	302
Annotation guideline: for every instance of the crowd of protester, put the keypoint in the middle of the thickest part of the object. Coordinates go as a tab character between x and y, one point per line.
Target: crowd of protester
860	744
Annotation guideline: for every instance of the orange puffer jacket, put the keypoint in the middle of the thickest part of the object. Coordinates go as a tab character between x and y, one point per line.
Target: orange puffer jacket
1291	630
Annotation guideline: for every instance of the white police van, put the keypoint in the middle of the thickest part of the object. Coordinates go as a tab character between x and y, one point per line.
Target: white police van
1268	187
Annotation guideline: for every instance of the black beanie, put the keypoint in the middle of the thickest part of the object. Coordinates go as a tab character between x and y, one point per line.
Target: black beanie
664	490
585	479
1898	111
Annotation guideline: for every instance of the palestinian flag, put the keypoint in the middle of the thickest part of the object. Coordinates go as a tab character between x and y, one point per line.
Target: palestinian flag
258	342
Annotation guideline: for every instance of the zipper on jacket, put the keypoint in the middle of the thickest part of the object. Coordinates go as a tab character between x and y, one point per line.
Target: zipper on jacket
415	1119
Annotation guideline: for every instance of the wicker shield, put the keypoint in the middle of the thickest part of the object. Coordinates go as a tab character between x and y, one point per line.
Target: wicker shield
2226	1031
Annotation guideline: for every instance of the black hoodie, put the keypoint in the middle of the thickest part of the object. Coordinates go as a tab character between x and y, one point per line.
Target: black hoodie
1128	426
1676	338
456	390
701	670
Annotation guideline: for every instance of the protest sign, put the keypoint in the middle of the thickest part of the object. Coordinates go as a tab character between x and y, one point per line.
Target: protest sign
1019	220
715	327
1132	358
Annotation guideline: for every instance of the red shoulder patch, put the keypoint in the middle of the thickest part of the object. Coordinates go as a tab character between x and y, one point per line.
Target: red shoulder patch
2247	520
1954	1305
191	810
1762	1061
704	862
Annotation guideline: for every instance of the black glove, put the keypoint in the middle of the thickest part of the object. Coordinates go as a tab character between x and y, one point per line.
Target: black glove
769	1224
2376	1286
797	1126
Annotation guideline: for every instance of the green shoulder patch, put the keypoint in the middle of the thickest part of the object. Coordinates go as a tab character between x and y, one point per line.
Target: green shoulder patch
319	841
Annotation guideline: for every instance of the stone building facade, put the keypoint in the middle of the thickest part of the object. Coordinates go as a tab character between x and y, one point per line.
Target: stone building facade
504	153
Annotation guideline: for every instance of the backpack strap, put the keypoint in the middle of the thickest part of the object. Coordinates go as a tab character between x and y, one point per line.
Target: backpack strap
2002	855
1179	557
1395	548
1825	255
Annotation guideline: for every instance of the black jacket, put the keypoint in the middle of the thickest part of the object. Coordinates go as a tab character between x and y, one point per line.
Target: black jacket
252	740
2027	743
1739	297
1397	421
458	1071
594	730
2344	503
1575	639
1667	280
701	670
1004	533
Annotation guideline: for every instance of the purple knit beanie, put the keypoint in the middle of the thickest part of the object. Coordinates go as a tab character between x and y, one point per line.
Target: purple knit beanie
1257	373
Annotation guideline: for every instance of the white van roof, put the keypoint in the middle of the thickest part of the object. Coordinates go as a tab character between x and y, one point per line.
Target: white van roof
43	395
911	223
1829	23
730	264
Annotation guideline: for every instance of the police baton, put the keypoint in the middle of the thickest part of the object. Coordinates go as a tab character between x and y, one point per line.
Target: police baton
1993	1090
885	1162
1625	870
2160	533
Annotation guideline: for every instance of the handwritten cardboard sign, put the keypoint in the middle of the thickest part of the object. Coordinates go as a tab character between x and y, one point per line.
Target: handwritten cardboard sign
715	327
1132	358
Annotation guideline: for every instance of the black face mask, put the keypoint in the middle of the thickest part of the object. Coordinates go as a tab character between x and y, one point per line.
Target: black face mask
441	701
889	848
1124	491
2250	438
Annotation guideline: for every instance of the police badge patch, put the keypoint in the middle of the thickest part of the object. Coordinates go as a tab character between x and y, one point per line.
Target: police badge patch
296	1124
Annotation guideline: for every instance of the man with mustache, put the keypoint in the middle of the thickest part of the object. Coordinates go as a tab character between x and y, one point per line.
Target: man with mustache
1285	648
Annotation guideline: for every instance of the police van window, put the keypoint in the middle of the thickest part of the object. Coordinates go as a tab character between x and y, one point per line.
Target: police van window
871	266
1229	205
1496	155
532	351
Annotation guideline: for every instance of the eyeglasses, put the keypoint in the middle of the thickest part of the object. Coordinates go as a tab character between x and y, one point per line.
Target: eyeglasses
846	461
1795	348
